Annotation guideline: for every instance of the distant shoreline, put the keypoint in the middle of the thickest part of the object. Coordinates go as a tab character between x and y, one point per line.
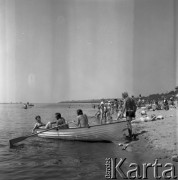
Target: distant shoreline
168	95
12	103
157	96
84	101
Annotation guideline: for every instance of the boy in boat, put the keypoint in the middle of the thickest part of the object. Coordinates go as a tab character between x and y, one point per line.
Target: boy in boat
42	125
38	124
129	107
82	119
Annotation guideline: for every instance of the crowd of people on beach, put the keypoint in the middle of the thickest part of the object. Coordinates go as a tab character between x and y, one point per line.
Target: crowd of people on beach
125	107
157	104
108	108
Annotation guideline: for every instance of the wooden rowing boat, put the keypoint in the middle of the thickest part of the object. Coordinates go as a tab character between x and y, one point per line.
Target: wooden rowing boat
105	132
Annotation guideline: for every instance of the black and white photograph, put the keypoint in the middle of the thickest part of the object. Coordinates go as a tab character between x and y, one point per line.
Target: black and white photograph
88	89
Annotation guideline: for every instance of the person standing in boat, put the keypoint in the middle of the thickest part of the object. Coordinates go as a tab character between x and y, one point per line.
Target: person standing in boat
82	119
129	107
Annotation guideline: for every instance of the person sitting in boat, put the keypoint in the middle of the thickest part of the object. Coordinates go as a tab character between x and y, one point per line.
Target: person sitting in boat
38	124
61	122
82	119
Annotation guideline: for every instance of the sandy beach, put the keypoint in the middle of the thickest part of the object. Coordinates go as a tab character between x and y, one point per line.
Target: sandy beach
156	139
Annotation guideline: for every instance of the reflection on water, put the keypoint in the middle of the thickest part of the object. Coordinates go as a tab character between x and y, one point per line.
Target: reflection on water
37	158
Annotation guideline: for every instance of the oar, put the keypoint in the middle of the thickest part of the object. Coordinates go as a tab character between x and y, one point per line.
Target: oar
16	140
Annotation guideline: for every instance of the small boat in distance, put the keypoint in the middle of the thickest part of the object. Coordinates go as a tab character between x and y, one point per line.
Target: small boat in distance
31	105
27	105
105	132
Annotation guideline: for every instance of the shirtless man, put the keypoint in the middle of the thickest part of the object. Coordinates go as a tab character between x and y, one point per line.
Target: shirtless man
82	119
61	122
129	107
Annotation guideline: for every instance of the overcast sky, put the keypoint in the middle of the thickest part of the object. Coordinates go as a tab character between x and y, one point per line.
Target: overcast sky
54	50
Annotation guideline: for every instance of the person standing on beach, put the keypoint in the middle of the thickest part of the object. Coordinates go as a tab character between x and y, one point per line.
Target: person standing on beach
116	105
129	107
166	105
102	112
108	111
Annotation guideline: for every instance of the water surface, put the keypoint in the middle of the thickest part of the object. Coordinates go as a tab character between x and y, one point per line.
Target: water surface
38	158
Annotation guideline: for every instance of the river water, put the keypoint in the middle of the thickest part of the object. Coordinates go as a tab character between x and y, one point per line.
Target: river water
37	158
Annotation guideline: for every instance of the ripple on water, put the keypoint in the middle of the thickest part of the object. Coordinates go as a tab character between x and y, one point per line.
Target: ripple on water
36	158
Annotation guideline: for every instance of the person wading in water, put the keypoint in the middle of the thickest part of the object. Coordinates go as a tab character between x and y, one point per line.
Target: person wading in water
129	107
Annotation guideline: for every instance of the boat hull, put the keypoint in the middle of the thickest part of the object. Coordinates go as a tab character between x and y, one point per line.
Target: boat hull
107	132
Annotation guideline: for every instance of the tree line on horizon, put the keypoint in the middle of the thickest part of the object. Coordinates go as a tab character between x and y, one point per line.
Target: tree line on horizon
156	96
